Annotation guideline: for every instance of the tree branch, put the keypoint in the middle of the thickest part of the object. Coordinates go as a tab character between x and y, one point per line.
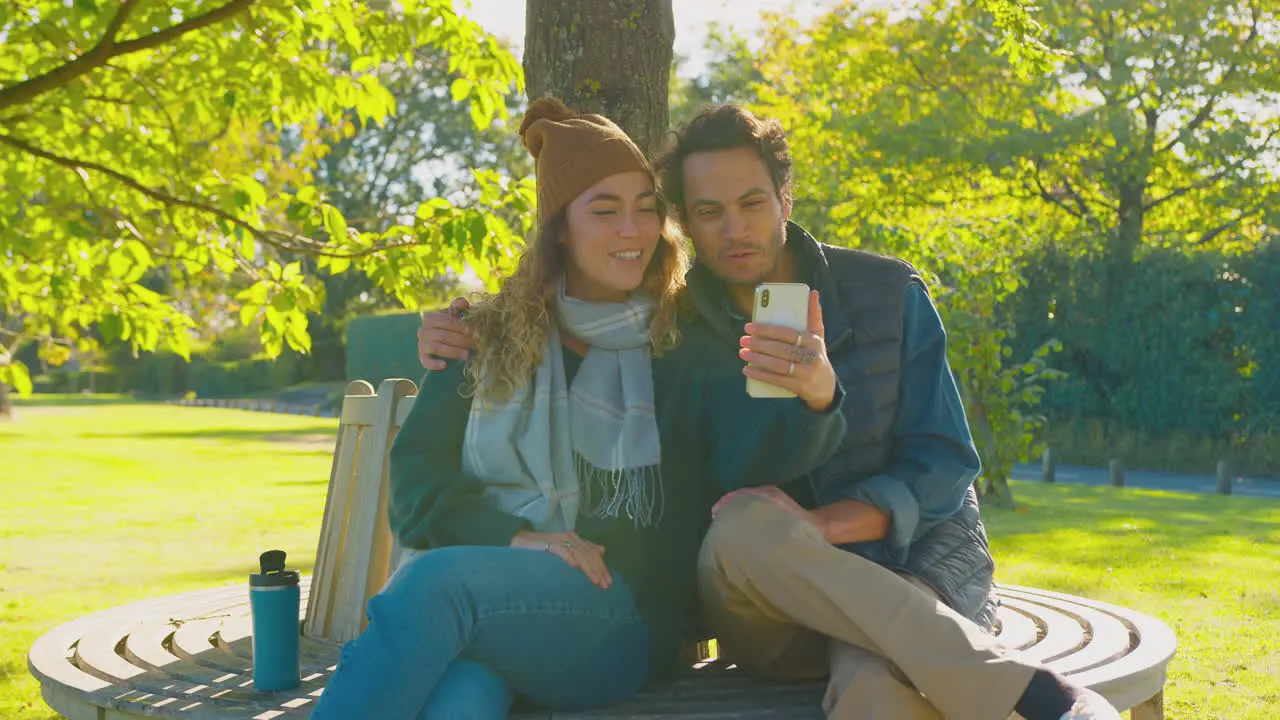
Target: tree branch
1188	188
122	16
1209	236
1206	110
1044	193
107	48
285	241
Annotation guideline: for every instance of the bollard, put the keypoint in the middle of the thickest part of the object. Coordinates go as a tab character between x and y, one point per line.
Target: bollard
1224	478
1048	466
1117	472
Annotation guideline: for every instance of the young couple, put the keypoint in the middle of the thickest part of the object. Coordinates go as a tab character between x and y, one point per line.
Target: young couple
586	474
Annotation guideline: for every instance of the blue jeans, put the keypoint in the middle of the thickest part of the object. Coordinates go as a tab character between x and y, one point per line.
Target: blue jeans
459	631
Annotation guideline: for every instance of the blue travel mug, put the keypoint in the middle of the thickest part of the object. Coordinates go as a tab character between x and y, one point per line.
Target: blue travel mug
274	601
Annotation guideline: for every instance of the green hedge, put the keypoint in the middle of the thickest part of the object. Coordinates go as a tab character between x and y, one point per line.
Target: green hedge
100	381
167	375
383	346
1185	344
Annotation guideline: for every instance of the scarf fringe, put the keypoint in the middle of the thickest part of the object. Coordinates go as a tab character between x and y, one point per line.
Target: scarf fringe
633	493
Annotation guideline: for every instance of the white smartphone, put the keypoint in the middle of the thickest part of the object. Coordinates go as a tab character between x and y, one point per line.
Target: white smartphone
785	304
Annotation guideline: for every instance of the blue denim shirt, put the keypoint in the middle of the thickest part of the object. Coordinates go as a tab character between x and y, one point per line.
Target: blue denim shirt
934	459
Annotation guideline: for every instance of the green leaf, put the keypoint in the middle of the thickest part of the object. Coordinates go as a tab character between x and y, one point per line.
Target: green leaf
434	208
460	88
307	195
338	265
119	263
16	375
283	302
111	328
256	193
478	232
297	212
274	318
482	108
295	333
348	26
335	223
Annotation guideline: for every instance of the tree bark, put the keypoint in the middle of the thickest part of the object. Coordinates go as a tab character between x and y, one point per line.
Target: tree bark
996	491
6	405
611	57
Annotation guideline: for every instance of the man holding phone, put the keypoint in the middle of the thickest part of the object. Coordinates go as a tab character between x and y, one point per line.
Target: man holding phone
874	569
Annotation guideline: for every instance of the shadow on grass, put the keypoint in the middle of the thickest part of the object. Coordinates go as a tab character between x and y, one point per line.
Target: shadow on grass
319	481
1112	512
265	434
1083	533
58	400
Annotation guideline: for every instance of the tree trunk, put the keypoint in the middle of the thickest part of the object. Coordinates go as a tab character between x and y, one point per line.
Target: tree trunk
611	57
996	491
6	405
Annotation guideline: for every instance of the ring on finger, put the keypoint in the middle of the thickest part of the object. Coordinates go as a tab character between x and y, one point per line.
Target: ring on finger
791	369
799	338
567	544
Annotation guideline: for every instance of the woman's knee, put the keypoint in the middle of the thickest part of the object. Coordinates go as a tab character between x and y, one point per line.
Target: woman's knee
424	582
468	691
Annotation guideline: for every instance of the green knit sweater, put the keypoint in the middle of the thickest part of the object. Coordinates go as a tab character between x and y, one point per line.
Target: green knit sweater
709	429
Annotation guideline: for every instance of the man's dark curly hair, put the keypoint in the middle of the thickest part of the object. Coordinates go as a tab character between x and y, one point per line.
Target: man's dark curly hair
724	127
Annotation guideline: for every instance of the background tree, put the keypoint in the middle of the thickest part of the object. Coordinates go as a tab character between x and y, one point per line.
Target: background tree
1153	129
138	139
376	175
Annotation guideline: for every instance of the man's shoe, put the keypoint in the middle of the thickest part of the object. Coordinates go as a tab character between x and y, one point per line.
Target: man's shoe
1091	706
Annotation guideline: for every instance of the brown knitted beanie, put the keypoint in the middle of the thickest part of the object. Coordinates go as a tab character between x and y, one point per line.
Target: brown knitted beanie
572	152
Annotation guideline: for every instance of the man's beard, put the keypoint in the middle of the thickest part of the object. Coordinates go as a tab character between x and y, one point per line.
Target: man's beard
773	255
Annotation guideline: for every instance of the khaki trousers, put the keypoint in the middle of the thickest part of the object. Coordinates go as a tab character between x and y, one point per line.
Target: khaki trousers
784	603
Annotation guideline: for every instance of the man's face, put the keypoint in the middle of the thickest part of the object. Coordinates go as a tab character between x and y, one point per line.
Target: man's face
734	216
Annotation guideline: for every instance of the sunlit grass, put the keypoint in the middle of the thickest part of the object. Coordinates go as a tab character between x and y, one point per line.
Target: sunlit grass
106	502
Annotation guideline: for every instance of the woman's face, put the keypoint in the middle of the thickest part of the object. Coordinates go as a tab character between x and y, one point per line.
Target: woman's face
613	230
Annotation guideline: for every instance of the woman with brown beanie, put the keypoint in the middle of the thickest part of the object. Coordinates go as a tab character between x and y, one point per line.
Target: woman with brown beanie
562	477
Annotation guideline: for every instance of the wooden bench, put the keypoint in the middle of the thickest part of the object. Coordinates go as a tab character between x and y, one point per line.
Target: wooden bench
189	656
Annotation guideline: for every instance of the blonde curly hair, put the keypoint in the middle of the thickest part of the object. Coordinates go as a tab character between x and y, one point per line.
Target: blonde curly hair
510	327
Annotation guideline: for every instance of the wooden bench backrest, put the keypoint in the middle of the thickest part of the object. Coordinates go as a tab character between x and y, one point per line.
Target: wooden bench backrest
357	551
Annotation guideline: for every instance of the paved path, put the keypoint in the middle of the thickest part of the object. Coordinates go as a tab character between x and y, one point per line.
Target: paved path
1075	474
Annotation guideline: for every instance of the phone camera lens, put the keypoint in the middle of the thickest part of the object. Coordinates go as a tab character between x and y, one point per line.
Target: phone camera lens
764	299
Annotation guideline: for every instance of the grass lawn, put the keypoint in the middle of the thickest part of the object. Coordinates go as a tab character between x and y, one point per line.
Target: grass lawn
107	502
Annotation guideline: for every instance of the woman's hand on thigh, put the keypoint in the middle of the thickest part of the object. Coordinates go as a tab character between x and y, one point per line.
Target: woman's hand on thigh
569	547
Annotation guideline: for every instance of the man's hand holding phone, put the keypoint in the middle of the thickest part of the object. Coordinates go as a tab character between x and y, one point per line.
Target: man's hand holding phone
795	360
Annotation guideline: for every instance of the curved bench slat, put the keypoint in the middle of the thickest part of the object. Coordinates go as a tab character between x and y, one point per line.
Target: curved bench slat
192	642
1061	635
1018	630
1143	671
1108	637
